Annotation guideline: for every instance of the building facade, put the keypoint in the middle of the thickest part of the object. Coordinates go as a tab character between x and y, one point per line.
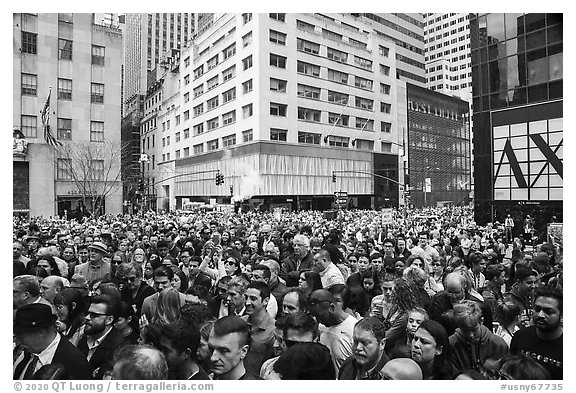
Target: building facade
517	77
77	63
276	103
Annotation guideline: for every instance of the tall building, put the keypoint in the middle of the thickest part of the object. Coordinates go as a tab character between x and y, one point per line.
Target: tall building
278	103
517	88
80	61
447	54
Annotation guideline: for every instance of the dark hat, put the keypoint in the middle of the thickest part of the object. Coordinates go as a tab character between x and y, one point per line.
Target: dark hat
33	316
99	246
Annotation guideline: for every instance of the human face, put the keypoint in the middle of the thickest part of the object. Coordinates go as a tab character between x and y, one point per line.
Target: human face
294	336
174	358
194	267
479	267
227	352
95	255
424	347
415	318
96	319
399	267
300	249
387	289
235	298
83	254
19	295
68	254
455	291
161	283
302	283
17	250
46	265
377	264
203	353
321	309
148	271
547	316
176	282
290	304
368	284
122	323
185	258
238	244
529	283
138	255
254	302
31	341
225	236
470	328
363	264
388	249
401	244
278	345
62	312
366	348
230	266
417	263
48	290
123	245
437	267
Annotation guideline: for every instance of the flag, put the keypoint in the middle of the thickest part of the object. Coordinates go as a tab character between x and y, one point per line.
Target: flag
45	116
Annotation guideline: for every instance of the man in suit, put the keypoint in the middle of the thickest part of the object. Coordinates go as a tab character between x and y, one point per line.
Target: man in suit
163	278
26	290
101	338
39	344
302	259
96	268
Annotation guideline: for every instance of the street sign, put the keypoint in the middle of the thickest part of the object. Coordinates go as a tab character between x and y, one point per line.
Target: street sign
427	185
341	201
341	194
387	216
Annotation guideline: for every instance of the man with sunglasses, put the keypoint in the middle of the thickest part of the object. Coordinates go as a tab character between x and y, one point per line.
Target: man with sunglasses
101	339
133	290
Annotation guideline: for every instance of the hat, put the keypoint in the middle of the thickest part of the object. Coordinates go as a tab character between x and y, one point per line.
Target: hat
98	246
78	281
33	316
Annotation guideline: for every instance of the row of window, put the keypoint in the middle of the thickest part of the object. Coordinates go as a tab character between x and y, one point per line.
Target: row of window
453	59
29	87
64	169
30	46
451	87
29	127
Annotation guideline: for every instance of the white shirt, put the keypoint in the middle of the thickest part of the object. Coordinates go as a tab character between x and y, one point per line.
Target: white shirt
338	339
331	276
45	357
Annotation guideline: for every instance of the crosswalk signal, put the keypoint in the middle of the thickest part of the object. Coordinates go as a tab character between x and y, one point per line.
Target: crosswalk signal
333	177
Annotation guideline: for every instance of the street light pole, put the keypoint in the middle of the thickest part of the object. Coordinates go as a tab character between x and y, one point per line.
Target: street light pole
426	170
143	159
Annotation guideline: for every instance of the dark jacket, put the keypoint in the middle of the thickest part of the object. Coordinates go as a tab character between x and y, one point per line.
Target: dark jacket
102	359
289	265
349	368
440	307
466	355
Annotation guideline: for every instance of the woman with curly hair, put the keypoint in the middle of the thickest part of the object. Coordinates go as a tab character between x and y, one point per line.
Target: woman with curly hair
403	300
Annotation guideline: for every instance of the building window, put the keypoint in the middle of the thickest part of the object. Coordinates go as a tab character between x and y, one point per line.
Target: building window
247	86
385	108
198	72
229	73
186	133
63	166
98	55
96	131
198	91
212	124
97	93
186	79
29	126
168	125
363	83
229	95
29	43
212	103
247	62
337	76
247	111
338	98
229	51
278	17
309	114
385	127
384	70
198	129
247	135
212	145
305	26
277	37
386	147
309	137
277	109
339	120
64	129
337	55
247	39
64	49
363	63
186	97
277	61
278	85
186	115
308	91
367	124
229	118
339	141
384	89
186	151
229	140
307	46
187	61
29	84
177	154
177	137
246	17
308	69
364	144
168	140
177	119
278	134
384	51
66	18
212	83
213	62
198	109
198	149
364	103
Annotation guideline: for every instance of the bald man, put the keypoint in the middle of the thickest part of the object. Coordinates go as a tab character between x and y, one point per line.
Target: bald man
402	369
50	286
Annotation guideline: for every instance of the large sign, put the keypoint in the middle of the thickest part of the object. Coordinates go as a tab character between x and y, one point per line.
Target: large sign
387	216
528	161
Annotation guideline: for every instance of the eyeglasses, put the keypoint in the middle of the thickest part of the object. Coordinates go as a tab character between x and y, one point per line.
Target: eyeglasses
93	314
126	279
497	375
230	262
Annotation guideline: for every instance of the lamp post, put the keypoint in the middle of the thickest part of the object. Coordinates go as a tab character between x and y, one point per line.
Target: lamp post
426	170
143	159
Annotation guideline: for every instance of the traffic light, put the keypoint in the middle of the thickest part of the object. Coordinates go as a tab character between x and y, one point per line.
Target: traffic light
219	179
141	185
231	190
333	177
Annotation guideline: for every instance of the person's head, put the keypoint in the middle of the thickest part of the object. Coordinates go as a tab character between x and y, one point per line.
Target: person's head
101	315
229	342
69	304
306	361
401	243
97	251
468	319
309	281
495	273
416	275
139	256
403	294
68	253
423	238
370	280
50	286
299	327
179	343
180	280
548	309
125	316
430	344
342	294
150	335
363	263
415	318
274	268
261	273
139	362
526	278
26	289
507	313
204	353
163	277
477	262
168	307
256	298
322	304
369	338
520	367
455	284
129	275
17	249
185	256
301	245
321	260
162	247
48	263
34	327
387	285
415	260
401	369
293	301
388	247
83	253
236	291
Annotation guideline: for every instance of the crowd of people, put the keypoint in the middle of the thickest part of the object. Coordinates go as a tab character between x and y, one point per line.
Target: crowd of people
297	295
